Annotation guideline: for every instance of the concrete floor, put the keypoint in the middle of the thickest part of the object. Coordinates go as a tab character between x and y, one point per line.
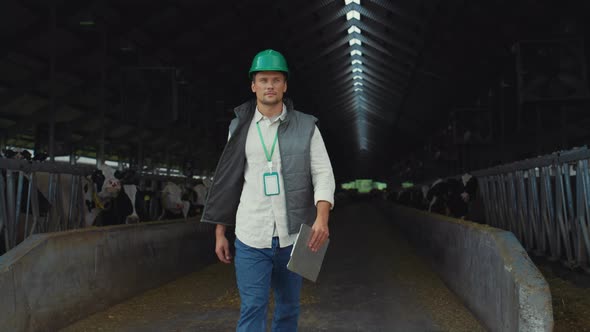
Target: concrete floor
372	280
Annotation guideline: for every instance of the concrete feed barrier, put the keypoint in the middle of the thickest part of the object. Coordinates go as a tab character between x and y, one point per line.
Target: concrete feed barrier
485	266
51	280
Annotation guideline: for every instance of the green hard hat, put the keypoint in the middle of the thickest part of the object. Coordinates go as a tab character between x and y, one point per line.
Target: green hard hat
269	60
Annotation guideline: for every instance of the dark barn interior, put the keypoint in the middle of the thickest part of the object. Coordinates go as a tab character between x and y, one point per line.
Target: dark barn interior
158	80
407	92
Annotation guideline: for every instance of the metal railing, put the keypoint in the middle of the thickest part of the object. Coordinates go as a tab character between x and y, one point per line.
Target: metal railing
545	202
20	213
48	197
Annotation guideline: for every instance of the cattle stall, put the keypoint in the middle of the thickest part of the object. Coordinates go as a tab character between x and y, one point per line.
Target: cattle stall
44	197
545	202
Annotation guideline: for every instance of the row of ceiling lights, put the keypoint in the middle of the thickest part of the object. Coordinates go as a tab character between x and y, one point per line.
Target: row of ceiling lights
355	43
356	56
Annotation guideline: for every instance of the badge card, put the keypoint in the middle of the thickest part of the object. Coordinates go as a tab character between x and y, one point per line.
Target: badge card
271	184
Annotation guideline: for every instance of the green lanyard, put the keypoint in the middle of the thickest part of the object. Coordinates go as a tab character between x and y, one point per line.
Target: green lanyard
272	149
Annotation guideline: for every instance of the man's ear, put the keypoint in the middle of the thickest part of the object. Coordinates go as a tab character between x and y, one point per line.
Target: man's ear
252	86
285	89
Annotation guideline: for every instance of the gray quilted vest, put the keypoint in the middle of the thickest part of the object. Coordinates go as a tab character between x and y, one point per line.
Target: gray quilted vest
295	134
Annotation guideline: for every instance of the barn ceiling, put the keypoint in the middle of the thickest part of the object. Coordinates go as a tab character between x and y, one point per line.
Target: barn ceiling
158	79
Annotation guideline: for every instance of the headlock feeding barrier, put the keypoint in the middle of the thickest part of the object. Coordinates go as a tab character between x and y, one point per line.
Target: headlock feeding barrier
545	202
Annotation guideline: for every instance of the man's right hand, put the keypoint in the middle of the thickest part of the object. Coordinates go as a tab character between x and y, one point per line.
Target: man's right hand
222	245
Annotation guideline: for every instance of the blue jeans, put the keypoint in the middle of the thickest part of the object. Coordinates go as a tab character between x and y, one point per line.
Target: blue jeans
256	271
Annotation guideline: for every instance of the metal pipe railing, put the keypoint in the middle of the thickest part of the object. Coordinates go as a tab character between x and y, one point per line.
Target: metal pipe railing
545	202
22	214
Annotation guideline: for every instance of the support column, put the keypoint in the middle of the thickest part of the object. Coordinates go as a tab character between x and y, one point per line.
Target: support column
100	156
2	142
539	128
52	80
564	131
167	162
73	158
502	123
140	155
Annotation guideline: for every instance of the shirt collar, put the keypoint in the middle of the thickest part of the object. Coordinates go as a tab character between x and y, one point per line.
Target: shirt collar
258	116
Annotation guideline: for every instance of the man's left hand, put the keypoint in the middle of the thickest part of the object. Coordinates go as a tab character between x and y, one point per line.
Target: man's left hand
319	234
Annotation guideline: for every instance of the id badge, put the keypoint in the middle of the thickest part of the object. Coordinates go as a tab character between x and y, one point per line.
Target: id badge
271	184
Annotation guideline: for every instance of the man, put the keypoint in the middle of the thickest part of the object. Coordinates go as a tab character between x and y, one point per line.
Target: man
273	175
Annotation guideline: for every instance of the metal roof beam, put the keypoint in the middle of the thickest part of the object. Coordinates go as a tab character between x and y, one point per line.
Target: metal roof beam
384	21
397	44
347	76
403	14
366	51
347	84
19	38
43	113
344	65
342	62
344	102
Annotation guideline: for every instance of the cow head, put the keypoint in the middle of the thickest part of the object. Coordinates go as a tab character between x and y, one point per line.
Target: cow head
172	199
465	178
18	154
108	186
102	188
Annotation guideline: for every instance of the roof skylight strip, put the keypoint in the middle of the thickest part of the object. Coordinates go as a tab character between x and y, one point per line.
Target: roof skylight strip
354	41
353	14
353	29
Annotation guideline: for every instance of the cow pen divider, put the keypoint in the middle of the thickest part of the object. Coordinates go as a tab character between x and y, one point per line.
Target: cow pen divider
486	267
52	280
545	202
16	226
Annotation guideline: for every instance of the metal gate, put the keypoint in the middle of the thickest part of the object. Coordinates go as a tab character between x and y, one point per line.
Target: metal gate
545	202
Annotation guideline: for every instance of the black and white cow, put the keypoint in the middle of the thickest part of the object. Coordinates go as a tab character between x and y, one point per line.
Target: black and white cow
173	206
437	197
130	204
463	194
144	203
101	196
451	197
133	204
23	154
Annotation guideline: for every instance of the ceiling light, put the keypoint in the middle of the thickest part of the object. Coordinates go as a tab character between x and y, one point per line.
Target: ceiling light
358	89
358	84
356	52
357	70
357	62
353	14
348	2
354	41
353	29
357	77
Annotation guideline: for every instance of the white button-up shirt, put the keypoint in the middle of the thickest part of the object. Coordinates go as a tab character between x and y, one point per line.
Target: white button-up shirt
261	217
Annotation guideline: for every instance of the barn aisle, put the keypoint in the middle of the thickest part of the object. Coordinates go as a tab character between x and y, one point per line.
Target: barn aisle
372	281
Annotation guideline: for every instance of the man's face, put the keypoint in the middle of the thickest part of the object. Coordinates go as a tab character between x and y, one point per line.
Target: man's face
269	87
